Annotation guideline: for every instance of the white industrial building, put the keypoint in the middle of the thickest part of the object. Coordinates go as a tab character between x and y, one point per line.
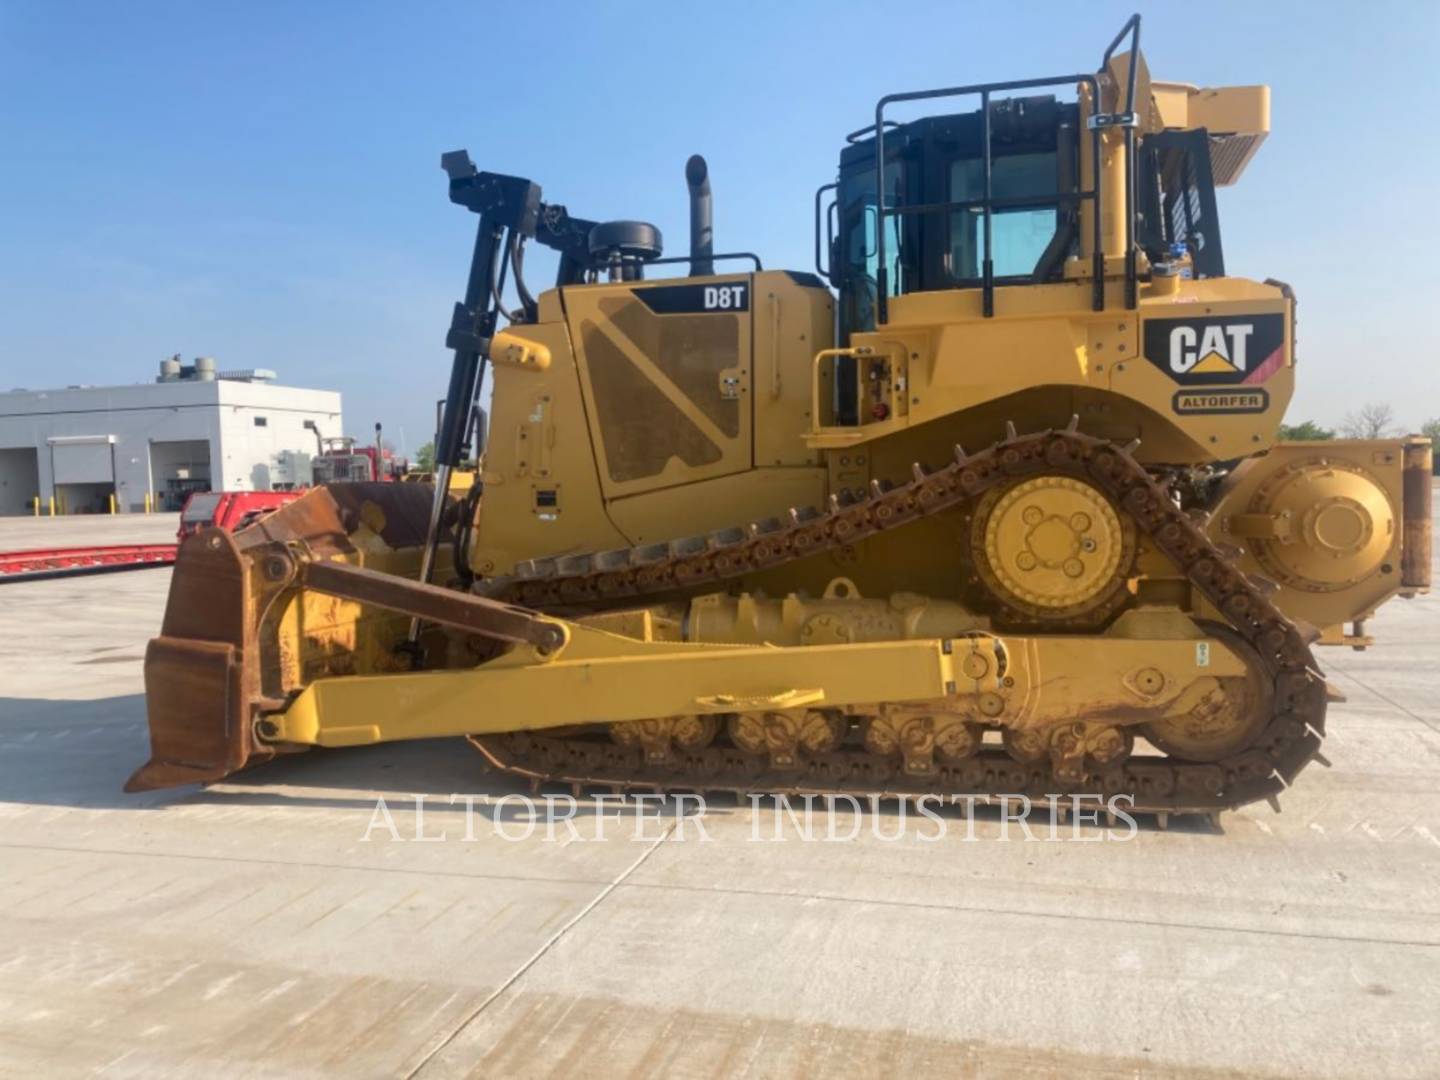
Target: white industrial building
195	428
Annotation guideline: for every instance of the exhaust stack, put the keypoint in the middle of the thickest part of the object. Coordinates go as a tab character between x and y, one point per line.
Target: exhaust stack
702	230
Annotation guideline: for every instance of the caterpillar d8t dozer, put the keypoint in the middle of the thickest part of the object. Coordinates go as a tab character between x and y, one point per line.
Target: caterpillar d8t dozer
991	503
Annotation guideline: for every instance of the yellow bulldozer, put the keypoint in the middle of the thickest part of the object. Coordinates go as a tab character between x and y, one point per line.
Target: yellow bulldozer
989	501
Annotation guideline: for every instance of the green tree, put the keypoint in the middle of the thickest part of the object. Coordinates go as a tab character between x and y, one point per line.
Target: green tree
1306	429
425	458
1432	429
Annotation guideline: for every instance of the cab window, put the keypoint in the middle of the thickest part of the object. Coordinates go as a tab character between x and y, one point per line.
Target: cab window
861	247
1019	234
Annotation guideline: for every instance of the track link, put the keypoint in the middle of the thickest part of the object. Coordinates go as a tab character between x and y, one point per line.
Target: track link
1287	742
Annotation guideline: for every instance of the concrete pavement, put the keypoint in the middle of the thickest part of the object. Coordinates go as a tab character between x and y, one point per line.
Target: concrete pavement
250	928
75	530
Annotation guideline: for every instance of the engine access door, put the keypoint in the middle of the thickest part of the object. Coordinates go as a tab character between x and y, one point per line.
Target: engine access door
665	369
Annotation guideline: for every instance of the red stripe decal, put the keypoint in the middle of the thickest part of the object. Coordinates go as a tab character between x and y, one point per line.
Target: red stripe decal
1268	366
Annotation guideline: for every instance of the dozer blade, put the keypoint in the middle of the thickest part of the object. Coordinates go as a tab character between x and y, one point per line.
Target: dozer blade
195	675
217	660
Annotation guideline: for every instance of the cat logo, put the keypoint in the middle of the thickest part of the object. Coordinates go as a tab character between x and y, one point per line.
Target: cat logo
1217	350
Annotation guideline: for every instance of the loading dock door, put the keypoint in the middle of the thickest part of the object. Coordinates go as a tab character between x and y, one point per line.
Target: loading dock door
83	460
178	468
84	470
19	480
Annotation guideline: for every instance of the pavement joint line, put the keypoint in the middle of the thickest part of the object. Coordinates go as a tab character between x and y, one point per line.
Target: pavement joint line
1388	700
977	909
539	953
363	869
969	909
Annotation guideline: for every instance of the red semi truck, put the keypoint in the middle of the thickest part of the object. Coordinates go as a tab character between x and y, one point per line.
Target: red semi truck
340	460
337	460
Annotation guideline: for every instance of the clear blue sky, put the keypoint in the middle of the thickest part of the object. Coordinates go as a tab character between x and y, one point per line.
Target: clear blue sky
260	182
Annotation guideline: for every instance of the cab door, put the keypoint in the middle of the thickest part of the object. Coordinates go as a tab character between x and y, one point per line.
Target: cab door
665	369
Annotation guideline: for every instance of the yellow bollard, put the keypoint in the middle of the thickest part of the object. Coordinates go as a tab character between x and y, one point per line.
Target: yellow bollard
37	505
112	502
52	505
147	502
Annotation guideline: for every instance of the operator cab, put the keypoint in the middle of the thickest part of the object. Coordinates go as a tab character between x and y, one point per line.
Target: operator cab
928	232
940	160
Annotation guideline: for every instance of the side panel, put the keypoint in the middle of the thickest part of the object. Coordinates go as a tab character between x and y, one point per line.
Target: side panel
665	369
1220	370
794	319
653	435
542	493
692	509
939	357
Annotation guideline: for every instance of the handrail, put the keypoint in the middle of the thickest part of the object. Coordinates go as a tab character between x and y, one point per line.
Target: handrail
713	258
987	205
819	197
1128	120
1131	27
854	136
832	230
1004	201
